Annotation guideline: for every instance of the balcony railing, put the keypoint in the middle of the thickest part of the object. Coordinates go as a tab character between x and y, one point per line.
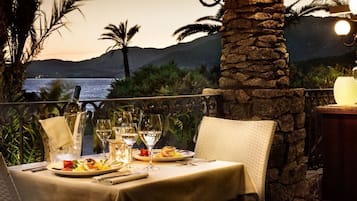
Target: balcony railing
314	98
20	139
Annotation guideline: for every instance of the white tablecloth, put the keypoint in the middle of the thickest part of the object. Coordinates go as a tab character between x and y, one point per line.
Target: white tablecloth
208	181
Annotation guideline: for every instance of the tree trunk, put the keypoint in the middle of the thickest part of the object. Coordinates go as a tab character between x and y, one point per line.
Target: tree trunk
126	62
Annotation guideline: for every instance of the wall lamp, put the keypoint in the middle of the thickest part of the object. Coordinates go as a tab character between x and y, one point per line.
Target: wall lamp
343	26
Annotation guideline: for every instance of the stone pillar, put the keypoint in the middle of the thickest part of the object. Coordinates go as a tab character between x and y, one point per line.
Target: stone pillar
255	85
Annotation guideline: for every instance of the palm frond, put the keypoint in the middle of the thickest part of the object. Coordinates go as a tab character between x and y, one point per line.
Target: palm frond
214	3
209	18
119	34
53	24
191	29
293	15
132	31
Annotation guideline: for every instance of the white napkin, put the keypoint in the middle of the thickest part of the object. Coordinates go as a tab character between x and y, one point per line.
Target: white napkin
126	178
58	131
119	173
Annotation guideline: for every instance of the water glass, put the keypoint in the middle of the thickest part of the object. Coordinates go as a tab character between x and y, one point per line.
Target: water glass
150	130
104	132
121	120
129	135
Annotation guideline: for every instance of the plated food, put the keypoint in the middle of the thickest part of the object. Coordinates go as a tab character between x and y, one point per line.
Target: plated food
167	153
85	167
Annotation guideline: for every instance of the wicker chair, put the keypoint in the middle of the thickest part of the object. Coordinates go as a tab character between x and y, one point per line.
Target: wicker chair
8	191
248	142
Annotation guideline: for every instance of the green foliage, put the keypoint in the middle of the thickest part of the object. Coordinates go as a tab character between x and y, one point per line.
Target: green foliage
20	138
17	141
320	73
166	79
57	90
318	77
179	128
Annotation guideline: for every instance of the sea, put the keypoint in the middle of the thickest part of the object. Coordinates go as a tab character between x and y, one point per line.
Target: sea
91	88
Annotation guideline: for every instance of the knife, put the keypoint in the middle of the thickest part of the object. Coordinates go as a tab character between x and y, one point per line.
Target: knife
35	169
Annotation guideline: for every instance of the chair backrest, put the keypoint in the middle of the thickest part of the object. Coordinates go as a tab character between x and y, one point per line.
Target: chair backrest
76	124
243	141
8	191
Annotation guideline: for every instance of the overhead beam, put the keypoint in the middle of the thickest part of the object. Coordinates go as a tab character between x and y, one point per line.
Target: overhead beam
342	9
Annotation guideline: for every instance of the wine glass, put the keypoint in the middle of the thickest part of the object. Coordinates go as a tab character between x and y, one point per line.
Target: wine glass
104	132
129	135
150	130
121	120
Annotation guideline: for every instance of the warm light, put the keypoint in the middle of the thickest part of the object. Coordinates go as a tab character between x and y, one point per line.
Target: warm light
353	6
345	90
342	27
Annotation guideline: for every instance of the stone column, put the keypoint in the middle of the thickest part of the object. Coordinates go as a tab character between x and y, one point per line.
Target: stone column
255	85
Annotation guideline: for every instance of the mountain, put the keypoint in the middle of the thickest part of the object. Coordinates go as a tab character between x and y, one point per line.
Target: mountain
310	38
203	51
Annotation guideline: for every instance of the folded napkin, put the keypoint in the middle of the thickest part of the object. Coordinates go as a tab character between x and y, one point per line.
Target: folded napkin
57	131
125	177
112	175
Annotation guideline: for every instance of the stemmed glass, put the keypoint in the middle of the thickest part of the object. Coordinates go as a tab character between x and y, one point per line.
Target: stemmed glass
150	130
121	119
129	135
103	131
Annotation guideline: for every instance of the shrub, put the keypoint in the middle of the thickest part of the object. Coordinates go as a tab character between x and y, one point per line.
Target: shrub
166	79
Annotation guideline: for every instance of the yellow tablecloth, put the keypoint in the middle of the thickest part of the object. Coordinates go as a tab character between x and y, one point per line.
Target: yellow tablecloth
208	181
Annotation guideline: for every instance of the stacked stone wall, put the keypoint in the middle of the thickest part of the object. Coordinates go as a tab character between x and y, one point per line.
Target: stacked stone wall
255	85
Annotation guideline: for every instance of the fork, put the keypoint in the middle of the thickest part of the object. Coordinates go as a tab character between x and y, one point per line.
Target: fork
195	162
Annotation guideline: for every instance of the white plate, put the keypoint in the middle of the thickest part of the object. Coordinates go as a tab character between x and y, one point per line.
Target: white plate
55	168
185	154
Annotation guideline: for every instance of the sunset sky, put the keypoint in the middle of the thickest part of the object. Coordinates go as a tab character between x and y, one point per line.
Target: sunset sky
158	20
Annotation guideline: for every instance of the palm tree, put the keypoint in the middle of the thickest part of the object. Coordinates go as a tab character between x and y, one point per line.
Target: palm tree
121	35
292	14
27	28
213	26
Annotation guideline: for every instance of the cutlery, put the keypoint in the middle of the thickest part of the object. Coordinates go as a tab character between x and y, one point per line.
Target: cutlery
39	169
194	162
35	169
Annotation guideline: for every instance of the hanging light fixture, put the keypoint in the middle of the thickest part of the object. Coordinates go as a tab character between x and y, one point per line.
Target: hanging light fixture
342	27
348	13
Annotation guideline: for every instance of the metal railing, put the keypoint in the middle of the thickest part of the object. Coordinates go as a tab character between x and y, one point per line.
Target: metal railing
21	141
313	149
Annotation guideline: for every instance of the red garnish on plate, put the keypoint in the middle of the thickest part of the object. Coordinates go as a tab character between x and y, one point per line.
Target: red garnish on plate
67	165
144	152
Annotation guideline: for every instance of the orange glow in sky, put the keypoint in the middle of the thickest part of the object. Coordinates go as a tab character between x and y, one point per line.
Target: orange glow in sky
158	20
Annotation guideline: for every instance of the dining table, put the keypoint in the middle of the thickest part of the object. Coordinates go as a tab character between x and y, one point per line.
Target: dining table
190	179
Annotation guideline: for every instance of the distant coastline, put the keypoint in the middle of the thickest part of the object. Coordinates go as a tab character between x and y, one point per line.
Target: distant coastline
91	88
204	51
